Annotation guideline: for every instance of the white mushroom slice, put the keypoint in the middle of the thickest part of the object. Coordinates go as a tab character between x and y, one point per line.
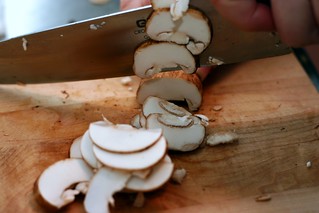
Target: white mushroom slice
75	149
135	121
87	151
103	185
142	120
193	26
177	7
58	177
160	174
122	139
152	57
173	86
82	187
133	161
154	104
142	173
179	137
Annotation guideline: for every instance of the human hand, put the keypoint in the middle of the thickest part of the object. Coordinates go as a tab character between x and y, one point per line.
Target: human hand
130	4
296	21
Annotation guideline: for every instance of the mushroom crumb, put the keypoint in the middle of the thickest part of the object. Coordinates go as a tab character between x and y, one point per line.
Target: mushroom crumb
221	138
125	81
217	108
139	200
178	175
24	44
94	26
214	61
263	198
309	164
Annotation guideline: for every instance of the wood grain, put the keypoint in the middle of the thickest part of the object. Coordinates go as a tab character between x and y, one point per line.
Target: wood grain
270	104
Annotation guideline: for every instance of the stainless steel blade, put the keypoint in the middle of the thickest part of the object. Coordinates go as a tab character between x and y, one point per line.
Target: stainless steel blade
103	48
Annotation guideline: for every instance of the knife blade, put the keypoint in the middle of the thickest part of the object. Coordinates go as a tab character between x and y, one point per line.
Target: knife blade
103	47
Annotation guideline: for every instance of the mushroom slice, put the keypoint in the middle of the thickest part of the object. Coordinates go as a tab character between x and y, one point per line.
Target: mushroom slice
173	86
179	136
160	174
133	161
57	178
193	26
75	149
154	104
121	139
103	185
152	57
87	151
135	121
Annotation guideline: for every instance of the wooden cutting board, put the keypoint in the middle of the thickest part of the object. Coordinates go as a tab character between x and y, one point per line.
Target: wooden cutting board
270	104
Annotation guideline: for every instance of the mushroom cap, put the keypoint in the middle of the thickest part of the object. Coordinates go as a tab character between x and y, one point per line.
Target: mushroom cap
133	161
58	177
152	57
173	86
192	26
160	174
123	138
181	135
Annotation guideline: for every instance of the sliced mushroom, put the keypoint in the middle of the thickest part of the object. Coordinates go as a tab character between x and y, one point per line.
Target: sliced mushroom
123	139
160	174
87	151
57	178
192	26
135	121
152	57
133	161
184	134
103	185
154	104
177	7
75	149
174	86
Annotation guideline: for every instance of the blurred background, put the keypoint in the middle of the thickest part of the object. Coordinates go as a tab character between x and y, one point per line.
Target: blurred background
20	17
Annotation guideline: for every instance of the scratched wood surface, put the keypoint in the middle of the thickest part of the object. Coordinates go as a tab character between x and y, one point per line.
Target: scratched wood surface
270	104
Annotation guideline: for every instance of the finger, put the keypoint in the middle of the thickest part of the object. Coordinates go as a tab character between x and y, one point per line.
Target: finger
297	21
246	14
130	4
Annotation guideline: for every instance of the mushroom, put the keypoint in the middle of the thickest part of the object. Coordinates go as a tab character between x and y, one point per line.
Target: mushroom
177	7
135	121
193	26
75	149
152	57
154	104
132	161
182	133
52	186
175	86
87	151
122	138
160	174
103	185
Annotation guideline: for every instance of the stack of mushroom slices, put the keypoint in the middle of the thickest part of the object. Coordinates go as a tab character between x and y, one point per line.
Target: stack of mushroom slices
107	159
183	131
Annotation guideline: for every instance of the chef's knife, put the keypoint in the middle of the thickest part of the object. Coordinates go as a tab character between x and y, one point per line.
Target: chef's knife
103	47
